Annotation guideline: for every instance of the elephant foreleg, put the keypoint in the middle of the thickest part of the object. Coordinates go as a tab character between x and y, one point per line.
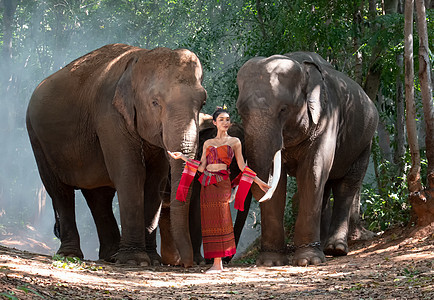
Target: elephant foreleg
273	239
155	184
100	201
195	224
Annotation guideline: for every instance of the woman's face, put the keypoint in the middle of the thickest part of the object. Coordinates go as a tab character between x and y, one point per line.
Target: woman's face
223	121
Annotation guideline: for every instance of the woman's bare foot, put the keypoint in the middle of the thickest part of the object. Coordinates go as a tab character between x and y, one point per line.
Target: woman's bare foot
217	266
213	271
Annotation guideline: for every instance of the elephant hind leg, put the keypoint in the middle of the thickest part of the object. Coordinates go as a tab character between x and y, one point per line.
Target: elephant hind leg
63	199
100	202
326	213
346	192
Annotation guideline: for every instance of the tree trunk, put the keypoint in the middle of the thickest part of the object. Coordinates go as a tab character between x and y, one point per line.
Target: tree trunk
383	134
425	83
423	202
414	184
400	119
391	6
398	158
260	19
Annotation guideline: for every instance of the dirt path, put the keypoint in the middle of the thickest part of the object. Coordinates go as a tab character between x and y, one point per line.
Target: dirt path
389	267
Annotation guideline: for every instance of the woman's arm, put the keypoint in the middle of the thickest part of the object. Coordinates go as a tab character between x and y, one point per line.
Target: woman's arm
239	154
180	155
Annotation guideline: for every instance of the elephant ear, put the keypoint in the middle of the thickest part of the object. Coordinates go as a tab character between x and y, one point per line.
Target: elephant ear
314	86
123	99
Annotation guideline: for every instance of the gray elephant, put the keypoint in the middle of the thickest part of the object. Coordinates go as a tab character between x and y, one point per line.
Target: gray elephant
102	124
323	123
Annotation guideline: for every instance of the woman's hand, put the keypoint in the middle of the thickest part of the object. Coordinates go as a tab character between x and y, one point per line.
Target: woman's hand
177	155
265	187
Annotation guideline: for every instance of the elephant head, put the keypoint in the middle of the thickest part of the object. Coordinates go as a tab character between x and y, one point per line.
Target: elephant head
160	96
286	94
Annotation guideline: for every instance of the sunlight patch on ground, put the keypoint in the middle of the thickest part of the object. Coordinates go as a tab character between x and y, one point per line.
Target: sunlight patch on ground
421	253
137	280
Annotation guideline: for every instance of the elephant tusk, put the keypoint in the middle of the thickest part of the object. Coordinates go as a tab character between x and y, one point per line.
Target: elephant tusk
275	178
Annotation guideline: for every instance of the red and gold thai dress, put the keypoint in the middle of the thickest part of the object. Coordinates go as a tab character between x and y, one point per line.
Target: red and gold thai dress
217	229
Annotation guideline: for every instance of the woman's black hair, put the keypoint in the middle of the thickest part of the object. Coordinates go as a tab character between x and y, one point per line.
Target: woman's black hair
218	111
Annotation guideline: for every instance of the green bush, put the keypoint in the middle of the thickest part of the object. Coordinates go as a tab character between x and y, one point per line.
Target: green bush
387	205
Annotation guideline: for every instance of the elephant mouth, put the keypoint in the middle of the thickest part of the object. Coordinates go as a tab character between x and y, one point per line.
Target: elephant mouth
274	177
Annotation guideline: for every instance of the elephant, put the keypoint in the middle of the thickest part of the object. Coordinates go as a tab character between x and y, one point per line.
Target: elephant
169	252
103	125
323	123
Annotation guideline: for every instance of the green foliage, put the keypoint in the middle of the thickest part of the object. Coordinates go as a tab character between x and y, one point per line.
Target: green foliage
386	209
24	288
386	205
27	290
291	207
9	295
63	262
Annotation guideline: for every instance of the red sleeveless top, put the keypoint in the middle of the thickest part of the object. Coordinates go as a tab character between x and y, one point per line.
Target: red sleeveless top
219	155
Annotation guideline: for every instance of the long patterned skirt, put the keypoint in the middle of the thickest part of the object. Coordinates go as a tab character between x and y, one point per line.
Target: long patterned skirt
217	229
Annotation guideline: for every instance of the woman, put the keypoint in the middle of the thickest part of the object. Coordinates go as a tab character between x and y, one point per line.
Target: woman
217	229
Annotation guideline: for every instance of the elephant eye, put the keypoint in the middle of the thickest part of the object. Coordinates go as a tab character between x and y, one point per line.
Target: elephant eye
155	103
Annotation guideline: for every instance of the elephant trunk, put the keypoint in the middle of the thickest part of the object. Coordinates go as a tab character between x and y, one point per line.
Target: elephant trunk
179	211
262	143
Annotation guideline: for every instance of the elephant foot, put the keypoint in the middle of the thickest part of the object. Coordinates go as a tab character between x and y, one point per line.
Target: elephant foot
132	256
186	264
172	259
227	259
155	258
336	248
107	253
70	252
199	260
270	259
305	256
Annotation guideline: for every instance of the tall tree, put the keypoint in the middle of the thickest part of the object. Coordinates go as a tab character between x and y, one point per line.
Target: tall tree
400	148
413	179
422	199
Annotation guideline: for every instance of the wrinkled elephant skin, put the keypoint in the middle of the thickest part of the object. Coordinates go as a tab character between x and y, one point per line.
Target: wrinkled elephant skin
324	123
102	124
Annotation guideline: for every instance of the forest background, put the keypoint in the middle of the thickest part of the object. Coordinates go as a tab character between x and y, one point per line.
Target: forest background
361	38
